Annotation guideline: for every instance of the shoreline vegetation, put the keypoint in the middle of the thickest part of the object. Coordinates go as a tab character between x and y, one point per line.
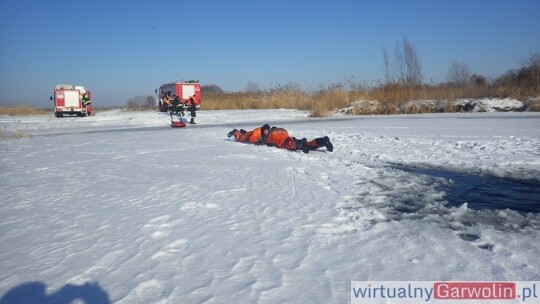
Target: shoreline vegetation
388	99
354	100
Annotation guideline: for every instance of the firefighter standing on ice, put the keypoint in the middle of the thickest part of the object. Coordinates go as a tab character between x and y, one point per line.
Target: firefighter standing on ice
192	107
167	101
85	99
178	106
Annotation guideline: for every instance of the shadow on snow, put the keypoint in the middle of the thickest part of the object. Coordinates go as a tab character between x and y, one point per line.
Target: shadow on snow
35	292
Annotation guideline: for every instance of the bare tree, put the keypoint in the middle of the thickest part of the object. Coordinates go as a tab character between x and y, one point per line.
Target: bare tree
399	65
212	88
529	74
150	102
140	102
408	67
252	87
459	74
478	80
386	66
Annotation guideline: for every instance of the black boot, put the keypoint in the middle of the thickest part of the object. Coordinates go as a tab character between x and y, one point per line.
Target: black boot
302	145
305	147
328	144
232	133
192	121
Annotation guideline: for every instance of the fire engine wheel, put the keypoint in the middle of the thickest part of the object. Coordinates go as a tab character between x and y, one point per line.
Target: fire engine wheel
58	115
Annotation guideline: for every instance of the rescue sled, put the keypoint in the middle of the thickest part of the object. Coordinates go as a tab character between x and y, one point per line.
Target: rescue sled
180	123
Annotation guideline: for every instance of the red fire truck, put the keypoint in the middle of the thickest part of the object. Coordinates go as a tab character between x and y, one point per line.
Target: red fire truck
72	100
183	89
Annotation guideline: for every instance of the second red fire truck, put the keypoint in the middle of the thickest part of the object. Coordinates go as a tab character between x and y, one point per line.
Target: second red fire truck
183	89
72	100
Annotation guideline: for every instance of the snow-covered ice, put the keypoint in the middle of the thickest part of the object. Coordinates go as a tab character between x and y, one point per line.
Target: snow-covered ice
121	208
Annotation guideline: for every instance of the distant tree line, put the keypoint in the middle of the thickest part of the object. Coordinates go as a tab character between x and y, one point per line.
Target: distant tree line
405	69
141	103
212	88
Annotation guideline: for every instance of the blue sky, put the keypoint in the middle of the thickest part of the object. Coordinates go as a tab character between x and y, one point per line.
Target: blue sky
121	49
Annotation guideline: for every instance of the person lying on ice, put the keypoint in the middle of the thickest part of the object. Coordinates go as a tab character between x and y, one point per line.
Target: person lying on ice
280	138
253	137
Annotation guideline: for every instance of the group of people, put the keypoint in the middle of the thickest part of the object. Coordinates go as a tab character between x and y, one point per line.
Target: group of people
175	106
264	135
280	138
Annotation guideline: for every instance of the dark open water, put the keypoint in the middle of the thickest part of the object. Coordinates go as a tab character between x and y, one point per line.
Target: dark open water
484	192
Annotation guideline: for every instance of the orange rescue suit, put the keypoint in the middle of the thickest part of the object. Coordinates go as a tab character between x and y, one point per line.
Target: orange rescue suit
280	138
253	137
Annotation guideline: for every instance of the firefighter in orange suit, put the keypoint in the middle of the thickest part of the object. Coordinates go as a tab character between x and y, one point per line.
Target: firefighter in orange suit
254	137
280	138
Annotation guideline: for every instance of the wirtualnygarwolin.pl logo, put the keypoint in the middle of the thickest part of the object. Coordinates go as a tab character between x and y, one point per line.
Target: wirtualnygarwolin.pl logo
440	292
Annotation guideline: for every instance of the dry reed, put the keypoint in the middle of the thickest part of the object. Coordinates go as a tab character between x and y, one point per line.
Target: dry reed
21	110
375	98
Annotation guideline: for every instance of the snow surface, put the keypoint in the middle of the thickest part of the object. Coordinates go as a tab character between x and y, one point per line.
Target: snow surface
121	208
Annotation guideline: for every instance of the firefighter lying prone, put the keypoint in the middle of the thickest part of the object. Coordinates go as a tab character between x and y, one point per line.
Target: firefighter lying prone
280	138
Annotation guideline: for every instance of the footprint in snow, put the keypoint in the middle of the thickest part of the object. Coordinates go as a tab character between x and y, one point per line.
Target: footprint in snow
98	268
150	291
158	227
170	250
196	206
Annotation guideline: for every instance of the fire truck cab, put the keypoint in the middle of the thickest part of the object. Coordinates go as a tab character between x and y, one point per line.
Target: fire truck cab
183	89
72	100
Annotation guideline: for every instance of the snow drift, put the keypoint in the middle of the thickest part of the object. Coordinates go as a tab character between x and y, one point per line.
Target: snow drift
121	208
